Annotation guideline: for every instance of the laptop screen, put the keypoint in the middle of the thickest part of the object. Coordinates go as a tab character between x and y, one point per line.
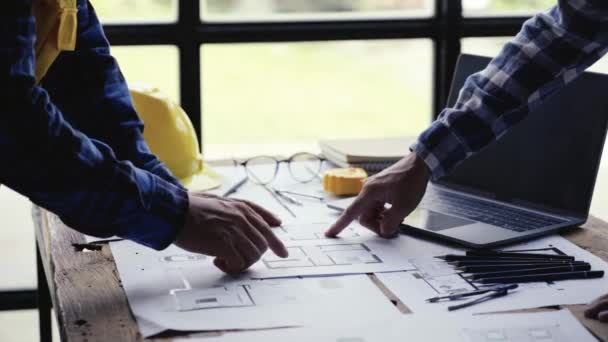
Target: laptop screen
551	158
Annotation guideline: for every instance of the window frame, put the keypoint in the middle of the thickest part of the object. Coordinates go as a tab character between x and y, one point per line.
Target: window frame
445	28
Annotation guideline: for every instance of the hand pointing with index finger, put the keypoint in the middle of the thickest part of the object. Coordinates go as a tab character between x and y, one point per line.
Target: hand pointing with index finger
236	232
387	198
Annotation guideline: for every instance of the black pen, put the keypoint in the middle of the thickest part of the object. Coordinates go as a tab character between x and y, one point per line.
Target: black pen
529	271
507	254
508	267
542	277
235	187
504	262
452	257
491	295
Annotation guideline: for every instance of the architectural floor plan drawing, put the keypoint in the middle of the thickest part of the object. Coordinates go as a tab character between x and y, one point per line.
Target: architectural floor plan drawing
295	232
547	333
439	276
227	296
323	255
333	257
179	258
174	289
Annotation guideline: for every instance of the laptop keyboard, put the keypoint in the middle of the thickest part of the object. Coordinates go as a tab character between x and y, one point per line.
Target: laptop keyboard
486	212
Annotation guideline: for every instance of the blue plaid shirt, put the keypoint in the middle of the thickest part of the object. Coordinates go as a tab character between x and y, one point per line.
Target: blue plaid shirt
551	49
74	143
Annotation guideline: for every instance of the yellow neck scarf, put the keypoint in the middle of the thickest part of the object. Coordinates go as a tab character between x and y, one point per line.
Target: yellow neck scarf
56	25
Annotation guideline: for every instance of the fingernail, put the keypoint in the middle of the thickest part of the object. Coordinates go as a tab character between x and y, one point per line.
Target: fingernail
284	253
233	265
221	264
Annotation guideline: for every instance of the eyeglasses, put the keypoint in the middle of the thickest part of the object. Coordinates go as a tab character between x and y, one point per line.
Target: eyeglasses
303	167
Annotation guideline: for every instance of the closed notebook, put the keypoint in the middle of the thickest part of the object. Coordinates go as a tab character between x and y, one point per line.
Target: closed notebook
372	155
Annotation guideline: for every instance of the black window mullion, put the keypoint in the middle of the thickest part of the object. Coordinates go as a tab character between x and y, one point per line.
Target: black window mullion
190	62
290	31
21	299
447	48
491	26
446	29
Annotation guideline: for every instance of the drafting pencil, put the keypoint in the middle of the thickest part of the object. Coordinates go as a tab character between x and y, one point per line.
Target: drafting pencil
451	257
509	267
512	261
508	254
542	277
494	294
529	271
460	295
235	187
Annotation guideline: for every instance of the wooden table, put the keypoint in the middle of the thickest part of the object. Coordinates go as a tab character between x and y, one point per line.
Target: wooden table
90	304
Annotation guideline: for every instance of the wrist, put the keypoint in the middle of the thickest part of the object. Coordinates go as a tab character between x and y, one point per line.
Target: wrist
420	165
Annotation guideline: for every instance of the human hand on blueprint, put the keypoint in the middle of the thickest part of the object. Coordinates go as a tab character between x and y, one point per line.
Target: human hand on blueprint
236	232
402	186
598	309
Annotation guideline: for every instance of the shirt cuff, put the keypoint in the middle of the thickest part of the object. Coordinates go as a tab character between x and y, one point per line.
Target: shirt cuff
440	149
165	215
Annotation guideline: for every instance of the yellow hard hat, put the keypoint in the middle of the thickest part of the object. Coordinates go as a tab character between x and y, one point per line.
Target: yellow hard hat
171	137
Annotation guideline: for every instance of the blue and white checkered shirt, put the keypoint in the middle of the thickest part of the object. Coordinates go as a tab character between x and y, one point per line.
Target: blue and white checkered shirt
552	49
74	144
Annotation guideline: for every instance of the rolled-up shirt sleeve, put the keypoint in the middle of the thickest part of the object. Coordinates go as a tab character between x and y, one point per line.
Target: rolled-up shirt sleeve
89	87
63	170
552	49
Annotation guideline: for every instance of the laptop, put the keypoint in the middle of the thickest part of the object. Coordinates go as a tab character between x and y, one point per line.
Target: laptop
537	179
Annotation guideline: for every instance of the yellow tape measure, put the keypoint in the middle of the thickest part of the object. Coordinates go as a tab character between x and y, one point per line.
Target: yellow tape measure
347	181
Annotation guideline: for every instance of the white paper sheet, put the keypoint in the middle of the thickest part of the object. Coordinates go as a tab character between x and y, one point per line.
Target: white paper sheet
558	326
297	233
93	239
433	278
555	326
311	253
174	289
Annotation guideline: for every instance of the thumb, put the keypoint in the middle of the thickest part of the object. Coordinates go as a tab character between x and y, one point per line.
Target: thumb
391	220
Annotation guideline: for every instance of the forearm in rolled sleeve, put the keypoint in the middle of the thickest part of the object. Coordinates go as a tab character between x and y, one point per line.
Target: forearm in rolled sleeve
61	169
552	49
90	88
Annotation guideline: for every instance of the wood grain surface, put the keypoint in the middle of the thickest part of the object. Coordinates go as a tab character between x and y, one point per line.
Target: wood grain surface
91	305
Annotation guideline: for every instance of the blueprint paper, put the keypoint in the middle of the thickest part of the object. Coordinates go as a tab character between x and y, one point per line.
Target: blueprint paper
557	326
312	254
553	326
298	233
434	277
174	289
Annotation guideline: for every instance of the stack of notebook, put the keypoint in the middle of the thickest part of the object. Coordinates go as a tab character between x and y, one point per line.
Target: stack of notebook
373	155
